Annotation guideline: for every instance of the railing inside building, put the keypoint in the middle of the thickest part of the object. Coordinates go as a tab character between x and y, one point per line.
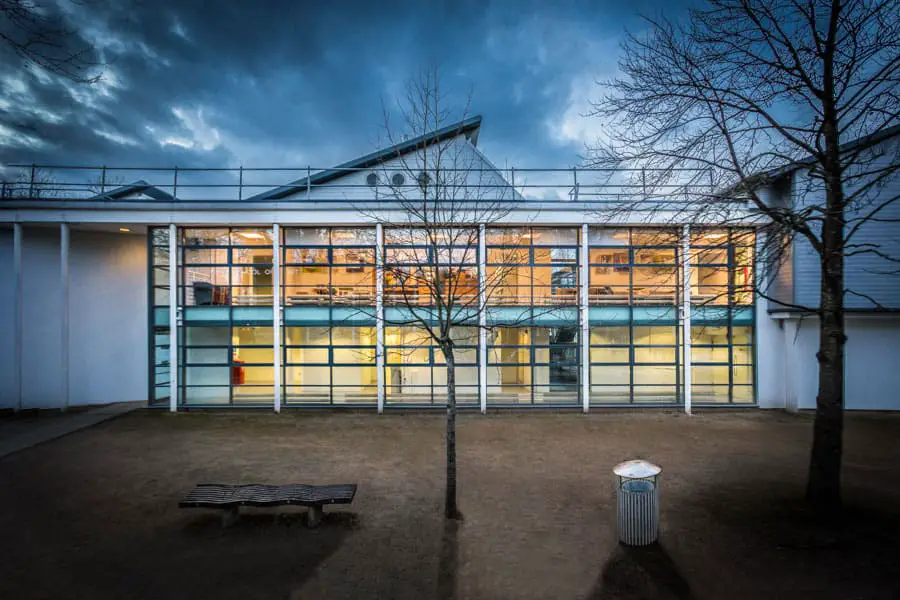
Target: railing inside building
582	185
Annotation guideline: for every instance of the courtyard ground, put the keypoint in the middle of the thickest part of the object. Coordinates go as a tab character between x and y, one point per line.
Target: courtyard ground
94	514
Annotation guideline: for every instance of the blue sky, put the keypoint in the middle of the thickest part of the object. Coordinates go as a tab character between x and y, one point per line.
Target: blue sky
198	83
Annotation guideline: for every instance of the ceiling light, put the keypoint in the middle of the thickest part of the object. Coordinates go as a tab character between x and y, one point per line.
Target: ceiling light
124	229
253	235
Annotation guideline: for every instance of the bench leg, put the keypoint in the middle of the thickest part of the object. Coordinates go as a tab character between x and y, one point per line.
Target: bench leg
314	515
230	516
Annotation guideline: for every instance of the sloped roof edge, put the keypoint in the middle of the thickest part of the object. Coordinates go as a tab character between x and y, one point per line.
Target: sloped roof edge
137	187
467	127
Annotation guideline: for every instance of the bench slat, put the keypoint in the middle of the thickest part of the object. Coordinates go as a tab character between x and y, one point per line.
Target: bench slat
218	495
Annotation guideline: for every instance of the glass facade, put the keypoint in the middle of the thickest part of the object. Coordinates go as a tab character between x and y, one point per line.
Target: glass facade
325	284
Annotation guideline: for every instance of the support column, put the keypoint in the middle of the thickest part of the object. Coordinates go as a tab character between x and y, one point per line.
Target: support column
174	318
276	315
64	310
17	312
482	320
584	312
379	313
686	313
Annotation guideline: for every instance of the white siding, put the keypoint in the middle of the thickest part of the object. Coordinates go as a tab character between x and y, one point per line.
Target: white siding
864	273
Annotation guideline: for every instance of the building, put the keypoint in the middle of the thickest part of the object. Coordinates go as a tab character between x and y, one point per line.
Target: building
207	289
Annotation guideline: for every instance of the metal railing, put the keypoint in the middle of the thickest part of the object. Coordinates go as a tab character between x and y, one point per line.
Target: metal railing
177	184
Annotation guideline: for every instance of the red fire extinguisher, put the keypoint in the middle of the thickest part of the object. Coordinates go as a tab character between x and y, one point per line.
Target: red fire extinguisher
237	371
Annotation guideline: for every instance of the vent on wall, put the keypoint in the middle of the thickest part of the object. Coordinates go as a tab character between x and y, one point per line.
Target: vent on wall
372	179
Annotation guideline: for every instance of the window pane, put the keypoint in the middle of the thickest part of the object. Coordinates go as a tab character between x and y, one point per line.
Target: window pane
654	375
608	236
307	336
306	236
602	336
709	374
507	236
205	237
355	236
711	335
196	375
251	236
254	355
610	355
546	236
254	256
208	256
655	335
354	355
306	356
654	256
743	375
307	376
354	256
654	355
306	256
654	237
610	375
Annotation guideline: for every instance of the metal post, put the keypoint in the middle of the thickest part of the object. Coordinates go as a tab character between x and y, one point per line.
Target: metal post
686	313
585	325
276	313
175	185
241	183
174	325
64	312
17	312
308	176
103	180
575	181
379	313
482	320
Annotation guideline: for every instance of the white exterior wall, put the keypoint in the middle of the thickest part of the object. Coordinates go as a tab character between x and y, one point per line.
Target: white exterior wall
787	369
108	319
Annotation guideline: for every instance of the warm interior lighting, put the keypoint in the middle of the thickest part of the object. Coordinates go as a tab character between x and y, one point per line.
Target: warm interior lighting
714	236
124	229
253	235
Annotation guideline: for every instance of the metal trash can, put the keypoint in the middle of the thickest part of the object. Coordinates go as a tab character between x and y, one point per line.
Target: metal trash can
637	492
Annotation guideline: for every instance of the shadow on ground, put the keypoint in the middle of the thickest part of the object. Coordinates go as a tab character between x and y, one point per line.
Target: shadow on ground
634	573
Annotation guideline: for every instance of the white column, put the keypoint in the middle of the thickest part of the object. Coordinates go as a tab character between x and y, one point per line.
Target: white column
64	310
174	325
17	312
584	312
379	313
276	315
686	313
482	319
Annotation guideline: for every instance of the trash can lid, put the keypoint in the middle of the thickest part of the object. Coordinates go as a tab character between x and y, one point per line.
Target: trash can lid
637	469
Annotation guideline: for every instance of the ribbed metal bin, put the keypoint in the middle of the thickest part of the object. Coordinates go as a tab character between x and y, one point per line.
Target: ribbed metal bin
638	502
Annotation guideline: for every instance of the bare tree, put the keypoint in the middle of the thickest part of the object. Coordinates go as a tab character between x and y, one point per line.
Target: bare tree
39	35
433	202
743	88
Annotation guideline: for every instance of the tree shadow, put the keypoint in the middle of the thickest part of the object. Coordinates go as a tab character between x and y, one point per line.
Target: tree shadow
640	572
448	561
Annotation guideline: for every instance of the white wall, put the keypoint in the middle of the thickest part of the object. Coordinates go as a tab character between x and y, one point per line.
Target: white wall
872	379
108	319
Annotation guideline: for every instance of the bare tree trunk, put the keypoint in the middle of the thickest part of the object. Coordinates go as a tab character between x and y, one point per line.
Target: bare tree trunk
823	489
451	510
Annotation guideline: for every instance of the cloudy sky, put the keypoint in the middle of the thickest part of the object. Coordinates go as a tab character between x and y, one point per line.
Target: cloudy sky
293	83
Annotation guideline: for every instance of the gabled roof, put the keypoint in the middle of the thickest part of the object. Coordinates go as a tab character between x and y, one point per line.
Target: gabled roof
467	127
138	187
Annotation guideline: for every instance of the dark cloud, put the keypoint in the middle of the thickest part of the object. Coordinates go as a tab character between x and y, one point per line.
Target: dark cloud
199	83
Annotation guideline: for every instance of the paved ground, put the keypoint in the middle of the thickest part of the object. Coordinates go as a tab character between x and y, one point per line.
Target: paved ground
93	514
20	432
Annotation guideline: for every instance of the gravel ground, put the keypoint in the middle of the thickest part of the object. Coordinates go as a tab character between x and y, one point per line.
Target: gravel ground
94	515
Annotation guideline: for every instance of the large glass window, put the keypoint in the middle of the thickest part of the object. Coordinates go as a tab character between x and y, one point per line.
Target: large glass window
532	266
633	266
722	267
226	267
328	266
422	265
533	365
158	240
324	364
722	363
416	372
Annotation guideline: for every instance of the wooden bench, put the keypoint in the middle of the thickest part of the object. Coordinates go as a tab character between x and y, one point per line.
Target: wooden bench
231	497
